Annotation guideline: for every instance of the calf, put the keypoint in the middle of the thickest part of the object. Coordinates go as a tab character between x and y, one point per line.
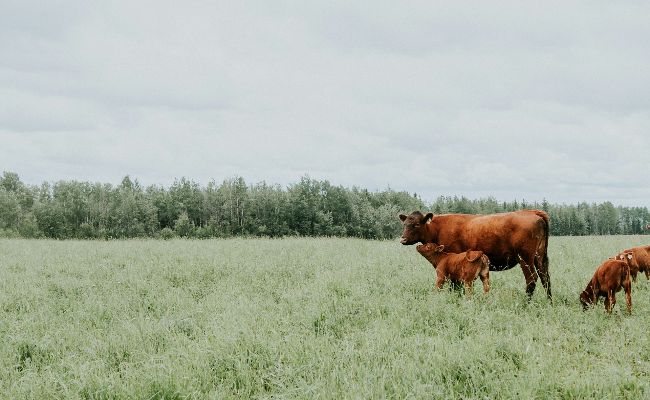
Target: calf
457	267
641	259
609	278
633	262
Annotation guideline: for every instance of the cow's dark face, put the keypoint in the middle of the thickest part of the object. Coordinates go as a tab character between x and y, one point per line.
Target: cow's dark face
414	227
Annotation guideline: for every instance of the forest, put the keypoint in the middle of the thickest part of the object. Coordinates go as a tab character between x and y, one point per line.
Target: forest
310	207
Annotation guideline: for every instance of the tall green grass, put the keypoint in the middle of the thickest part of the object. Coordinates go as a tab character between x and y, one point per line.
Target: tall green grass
305	318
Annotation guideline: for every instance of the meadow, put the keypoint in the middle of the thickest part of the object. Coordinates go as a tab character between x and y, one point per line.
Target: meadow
306	318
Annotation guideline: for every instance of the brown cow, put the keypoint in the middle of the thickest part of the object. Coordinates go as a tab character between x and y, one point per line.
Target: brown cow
641	260
632	262
457	267
508	239
609	278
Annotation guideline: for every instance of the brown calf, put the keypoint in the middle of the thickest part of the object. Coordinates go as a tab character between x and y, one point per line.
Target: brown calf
609	278
633	262
457	267
641	256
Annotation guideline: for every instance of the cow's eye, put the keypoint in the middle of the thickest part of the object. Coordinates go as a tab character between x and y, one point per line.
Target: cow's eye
416	225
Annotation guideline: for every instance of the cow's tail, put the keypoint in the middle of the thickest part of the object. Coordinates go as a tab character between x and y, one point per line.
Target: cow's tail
473	255
542	270
485	261
544	216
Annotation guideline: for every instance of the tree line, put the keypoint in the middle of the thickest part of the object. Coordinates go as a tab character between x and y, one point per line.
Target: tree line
310	207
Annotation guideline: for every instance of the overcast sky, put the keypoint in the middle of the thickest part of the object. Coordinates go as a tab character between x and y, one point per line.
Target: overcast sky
507	99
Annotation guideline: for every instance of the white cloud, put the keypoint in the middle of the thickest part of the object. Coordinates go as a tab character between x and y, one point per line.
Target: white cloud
515	101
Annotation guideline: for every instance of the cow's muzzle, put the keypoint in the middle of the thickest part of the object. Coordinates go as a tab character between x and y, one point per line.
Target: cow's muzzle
403	240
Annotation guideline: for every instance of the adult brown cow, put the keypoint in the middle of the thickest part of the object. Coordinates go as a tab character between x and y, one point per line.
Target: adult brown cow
508	239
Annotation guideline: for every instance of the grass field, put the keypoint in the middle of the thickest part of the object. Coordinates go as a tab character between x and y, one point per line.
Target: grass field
305	318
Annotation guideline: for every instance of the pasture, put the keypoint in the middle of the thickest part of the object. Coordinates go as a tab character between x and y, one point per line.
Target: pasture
306	318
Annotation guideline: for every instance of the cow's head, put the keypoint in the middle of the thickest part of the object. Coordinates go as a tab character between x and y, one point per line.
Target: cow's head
414	227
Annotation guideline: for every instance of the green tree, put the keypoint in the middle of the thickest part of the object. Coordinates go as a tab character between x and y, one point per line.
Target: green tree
607	219
10	210
184	227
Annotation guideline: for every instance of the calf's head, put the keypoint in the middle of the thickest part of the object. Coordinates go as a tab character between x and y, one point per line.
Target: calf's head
429	249
586	299
414	227
629	258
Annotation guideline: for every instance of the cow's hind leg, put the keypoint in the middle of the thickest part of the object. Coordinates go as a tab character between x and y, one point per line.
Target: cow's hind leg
541	265
527	266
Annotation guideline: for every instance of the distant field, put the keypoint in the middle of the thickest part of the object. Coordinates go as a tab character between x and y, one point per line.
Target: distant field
305	318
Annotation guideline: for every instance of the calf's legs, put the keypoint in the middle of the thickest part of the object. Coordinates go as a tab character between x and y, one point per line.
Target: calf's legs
469	288
484	275
440	279
610	301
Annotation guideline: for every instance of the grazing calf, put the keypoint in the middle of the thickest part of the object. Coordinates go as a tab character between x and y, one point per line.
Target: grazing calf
609	278
457	267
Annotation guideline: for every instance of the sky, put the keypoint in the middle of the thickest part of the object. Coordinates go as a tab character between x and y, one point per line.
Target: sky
506	99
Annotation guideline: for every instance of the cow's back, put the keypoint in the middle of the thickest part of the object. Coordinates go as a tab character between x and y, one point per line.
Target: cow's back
502	237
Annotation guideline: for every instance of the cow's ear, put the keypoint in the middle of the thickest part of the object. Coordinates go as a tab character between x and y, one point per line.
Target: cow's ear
402	217
440	248
427	218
